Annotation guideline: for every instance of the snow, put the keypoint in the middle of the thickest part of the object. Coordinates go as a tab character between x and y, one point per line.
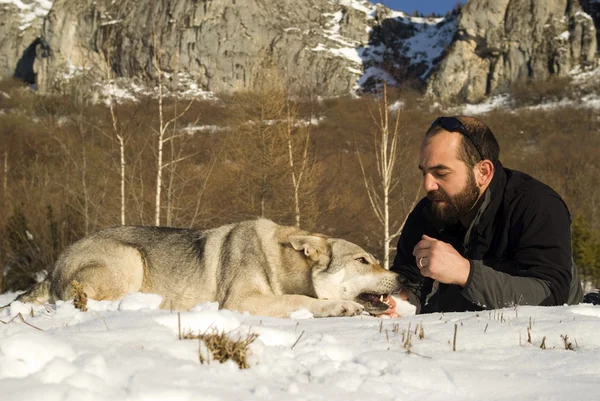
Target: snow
211	129
72	70
31	11
492	103
581	79
430	40
376	73
122	90
397	105
122	353
111	22
360	5
585	16
339	45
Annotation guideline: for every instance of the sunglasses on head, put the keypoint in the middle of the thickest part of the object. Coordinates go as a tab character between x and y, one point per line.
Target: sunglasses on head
452	124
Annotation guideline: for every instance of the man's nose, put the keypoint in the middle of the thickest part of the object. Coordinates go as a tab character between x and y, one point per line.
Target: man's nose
429	183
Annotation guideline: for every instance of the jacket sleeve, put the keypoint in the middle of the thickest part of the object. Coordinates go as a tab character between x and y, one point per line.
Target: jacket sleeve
404	262
539	272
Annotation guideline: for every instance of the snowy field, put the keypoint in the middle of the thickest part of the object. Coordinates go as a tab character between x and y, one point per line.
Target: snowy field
130	350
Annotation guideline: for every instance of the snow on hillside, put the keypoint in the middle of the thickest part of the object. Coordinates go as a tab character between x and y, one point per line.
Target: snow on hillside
29	11
130	350
429	42
360	5
579	79
430	38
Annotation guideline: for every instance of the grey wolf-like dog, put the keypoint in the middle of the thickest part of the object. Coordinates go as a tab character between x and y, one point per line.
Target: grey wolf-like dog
256	266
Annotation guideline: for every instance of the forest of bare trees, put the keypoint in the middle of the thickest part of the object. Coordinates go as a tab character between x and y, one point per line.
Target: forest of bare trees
342	166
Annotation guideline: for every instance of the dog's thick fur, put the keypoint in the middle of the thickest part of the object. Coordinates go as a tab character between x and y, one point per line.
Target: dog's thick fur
256	266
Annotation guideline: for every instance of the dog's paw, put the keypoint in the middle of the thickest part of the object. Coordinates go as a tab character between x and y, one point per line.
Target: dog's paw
337	308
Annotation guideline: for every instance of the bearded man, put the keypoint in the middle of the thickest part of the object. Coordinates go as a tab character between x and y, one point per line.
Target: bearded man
485	236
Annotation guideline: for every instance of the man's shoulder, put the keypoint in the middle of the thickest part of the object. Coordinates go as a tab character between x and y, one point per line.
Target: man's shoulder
524	189
519	183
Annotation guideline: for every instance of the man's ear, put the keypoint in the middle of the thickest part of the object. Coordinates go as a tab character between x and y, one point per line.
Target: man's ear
314	247
484	172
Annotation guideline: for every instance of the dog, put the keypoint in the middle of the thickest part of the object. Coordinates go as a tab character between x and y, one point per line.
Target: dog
256	266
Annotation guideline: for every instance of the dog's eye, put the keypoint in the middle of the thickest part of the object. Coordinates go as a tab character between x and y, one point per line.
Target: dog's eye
363	260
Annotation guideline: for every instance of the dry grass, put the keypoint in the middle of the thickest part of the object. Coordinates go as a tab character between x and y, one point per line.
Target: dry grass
531	92
219	346
81	299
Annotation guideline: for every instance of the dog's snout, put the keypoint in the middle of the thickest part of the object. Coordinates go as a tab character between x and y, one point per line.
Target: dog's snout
399	282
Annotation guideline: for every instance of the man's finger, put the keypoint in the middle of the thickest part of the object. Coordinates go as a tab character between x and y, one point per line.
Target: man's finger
428	238
421	253
425	271
422	246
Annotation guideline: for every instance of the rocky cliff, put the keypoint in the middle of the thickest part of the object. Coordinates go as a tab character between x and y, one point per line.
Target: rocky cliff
20	28
335	46
501	42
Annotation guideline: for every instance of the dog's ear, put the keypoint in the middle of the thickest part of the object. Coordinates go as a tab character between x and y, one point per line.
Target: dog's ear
314	247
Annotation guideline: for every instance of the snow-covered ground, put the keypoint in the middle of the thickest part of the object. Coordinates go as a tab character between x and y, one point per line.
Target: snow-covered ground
130	350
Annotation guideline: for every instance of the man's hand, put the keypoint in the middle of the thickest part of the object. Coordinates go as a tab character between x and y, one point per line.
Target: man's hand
440	261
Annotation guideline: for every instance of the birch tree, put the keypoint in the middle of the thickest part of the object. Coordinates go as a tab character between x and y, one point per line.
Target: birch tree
163	126
298	144
117	135
386	142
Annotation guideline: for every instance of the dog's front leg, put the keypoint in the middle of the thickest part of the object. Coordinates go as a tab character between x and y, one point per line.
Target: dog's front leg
283	305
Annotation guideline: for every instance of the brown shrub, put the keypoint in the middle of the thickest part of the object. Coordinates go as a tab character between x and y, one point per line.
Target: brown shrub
532	92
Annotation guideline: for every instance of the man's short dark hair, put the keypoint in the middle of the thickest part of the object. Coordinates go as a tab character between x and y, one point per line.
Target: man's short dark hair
479	134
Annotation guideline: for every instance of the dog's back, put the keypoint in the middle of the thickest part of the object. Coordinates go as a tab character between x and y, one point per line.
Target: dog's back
184	266
256	266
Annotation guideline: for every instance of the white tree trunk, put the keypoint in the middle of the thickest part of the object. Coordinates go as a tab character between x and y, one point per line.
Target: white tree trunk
122	153
386	153
119	137
162	128
296	175
5	178
159	157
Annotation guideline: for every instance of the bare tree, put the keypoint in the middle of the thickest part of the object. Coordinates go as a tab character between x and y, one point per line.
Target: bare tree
386	138
5	177
163	126
257	146
118	136
298	139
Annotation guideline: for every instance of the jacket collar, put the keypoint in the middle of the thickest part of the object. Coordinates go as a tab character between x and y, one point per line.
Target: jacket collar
496	191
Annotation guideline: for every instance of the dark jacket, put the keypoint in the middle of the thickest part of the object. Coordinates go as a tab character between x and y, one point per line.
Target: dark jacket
519	248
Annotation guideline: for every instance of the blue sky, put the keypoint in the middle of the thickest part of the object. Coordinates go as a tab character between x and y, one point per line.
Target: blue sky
423	6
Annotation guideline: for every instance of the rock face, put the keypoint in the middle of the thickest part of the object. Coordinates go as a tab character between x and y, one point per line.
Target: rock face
503	41
335	47
20	27
592	8
219	45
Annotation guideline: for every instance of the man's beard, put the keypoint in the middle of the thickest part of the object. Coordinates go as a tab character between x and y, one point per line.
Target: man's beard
455	207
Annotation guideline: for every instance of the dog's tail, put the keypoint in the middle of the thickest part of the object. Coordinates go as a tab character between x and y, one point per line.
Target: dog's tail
39	293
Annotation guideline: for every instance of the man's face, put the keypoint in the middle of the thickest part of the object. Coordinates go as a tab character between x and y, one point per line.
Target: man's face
450	185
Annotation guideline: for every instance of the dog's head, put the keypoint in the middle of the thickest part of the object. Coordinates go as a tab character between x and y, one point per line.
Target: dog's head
343	270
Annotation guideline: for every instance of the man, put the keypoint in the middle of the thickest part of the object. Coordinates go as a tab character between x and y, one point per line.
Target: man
485	237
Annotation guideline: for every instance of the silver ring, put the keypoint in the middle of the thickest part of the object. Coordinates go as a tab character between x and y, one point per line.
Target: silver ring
421	263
